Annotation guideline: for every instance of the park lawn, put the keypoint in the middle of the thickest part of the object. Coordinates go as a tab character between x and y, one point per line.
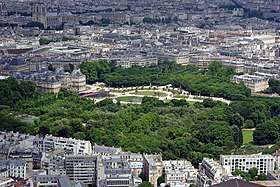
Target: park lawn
150	93
181	96
174	91
130	99
117	91
191	103
30	119
199	98
247	136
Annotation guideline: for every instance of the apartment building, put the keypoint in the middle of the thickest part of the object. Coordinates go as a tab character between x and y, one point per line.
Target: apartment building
238	66
210	172
263	163
138	61
271	68
74	146
276	156
179	172
255	83
153	168
135	162
203	180
82	168
170	57
28	158
202	62
105	151
6	182
15	168
54	165
13	64
45	180
115	173
53	181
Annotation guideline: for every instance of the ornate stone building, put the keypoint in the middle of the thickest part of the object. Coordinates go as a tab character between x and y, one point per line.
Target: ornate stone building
49	81
41	13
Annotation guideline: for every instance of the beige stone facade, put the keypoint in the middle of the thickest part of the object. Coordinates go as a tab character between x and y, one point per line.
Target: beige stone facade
54	81
153	168
255	83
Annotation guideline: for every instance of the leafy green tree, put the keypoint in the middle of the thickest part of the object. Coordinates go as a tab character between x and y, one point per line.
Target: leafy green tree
79	135
262	177
243	174
196	158
274	86
44	130
146	124
214	67
225	72
237	135
89	69
45	41
266	133
76	125
94	71
253	172
105	102
10	123
236	119
249	124
273	148
152	102
179	103
146	184
210	103
12	92
63	133
193	185
177	131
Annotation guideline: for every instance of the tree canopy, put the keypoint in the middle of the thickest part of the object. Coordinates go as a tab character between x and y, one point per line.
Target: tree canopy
214	83
177	129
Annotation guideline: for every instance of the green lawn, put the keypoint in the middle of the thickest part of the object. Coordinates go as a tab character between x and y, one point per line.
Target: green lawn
117	91
181	96
175	91
150	93
30	119
191	103
198	98
130	99
247	136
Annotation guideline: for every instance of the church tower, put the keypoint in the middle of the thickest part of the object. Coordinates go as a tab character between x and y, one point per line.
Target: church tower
39	11
3	11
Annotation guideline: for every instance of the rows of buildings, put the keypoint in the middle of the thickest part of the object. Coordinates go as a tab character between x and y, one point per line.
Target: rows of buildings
212	172
56	161
54	13
142	33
